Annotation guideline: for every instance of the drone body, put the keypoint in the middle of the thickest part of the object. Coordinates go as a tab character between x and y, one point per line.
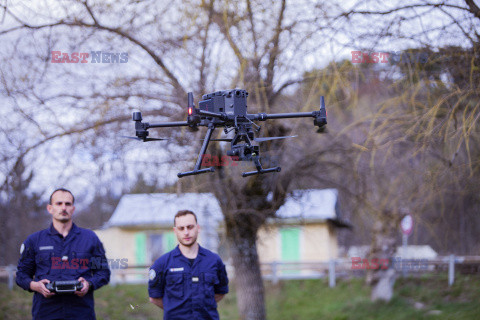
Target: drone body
228	109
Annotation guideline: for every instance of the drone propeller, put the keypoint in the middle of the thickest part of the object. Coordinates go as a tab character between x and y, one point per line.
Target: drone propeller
145	139
273	138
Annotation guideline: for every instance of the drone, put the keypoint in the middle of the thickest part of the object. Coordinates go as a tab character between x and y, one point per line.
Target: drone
228	110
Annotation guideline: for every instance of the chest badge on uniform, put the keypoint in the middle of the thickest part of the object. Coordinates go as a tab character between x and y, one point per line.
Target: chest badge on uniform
194	279
176	269
65	258
151	274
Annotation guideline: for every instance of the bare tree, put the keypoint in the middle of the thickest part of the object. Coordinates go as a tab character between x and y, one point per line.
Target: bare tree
58	110
256	63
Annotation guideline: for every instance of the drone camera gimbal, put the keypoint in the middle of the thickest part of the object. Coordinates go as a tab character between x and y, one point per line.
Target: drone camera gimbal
228	109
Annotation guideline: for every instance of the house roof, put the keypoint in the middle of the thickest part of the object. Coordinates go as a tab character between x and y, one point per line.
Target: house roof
160	208
310	204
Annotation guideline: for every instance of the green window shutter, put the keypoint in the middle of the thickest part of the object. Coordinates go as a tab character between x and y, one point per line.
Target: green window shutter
169	241
141	248
290	244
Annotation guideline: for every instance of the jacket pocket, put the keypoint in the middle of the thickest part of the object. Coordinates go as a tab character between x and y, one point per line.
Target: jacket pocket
44	263
209	283
174	286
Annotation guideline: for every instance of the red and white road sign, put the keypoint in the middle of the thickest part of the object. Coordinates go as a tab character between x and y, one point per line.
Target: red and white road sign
407	224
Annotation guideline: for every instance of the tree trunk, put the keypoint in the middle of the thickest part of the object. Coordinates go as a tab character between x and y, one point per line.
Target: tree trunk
383	249
383	287
246	207
248	278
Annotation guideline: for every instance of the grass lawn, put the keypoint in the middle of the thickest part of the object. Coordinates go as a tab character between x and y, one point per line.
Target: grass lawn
428	297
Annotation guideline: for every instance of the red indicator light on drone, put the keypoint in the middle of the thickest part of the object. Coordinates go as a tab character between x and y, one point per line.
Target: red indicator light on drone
190	103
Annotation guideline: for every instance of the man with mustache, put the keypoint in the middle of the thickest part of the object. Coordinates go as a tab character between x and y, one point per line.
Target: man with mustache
188	281
62	252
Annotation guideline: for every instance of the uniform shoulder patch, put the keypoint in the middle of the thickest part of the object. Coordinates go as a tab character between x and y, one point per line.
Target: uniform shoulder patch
152	274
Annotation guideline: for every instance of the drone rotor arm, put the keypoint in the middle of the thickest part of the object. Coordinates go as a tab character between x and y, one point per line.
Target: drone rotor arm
320	116
266	116
222	139
169	124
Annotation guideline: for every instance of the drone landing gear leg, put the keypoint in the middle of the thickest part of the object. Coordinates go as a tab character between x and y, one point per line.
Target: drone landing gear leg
197	169
260	170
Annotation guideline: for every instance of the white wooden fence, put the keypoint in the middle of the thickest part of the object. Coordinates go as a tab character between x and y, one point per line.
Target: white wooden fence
333	269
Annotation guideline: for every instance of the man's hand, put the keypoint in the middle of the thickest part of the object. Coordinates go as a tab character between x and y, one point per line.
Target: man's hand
85	288
157	301
39	286
219	297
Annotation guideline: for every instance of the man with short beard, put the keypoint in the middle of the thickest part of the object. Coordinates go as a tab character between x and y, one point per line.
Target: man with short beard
62	252
188	281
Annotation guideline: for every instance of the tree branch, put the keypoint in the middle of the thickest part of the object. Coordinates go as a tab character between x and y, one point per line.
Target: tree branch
274	52
158	60
473	8
412	6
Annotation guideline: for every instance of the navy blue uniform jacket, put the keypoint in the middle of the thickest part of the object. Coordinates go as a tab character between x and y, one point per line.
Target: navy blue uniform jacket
46	254
188	291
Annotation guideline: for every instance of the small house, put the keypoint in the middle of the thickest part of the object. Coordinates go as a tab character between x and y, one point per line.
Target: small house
141	227
304	230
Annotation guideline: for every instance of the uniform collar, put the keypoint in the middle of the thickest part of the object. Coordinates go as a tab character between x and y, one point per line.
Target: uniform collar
202	251
54	231
177	252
